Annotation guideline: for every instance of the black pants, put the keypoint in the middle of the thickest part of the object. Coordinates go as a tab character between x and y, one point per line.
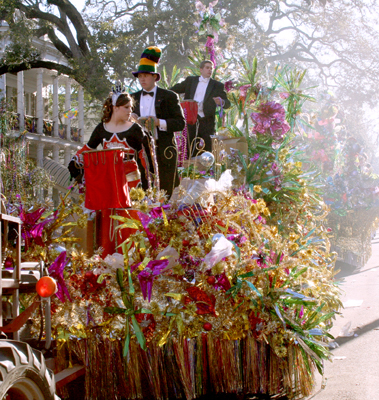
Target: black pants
206	128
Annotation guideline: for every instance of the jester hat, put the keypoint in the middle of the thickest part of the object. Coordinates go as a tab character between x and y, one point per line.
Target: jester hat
149	62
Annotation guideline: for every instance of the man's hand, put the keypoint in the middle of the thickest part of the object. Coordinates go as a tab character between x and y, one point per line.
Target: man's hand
218	100
156	121
151	120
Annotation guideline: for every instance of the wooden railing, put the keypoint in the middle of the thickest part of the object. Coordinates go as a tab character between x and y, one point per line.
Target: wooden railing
30	123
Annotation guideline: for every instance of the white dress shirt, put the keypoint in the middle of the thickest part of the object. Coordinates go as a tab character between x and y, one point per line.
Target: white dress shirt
200	94
147	108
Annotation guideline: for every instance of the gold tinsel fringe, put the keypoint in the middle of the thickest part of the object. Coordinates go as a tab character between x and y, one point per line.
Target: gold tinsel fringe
190	368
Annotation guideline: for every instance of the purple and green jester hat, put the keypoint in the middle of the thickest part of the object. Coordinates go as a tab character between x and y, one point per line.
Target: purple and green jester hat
149	62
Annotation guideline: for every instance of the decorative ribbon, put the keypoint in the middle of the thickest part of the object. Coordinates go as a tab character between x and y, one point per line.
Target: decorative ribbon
221	110
181	141
147	275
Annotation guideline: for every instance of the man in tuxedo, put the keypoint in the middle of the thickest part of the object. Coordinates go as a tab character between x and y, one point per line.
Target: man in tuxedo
163	107
209	94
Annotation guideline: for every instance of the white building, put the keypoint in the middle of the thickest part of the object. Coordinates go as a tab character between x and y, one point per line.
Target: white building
50	134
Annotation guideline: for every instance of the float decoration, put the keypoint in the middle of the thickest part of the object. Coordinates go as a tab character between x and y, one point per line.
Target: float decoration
211	24
227	289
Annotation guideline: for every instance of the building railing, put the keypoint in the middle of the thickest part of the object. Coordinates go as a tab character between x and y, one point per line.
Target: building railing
30	124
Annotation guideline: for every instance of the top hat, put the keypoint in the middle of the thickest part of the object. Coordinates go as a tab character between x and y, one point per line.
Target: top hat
149	62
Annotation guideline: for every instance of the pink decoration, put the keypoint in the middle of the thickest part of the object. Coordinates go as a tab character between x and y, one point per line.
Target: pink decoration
145	221
211	49
147	275
270	118
181	142
56	271
31	230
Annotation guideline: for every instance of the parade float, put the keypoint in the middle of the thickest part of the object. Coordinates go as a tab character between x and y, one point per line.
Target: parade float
226	288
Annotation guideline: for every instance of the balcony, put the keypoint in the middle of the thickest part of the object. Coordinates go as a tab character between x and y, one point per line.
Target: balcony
48	127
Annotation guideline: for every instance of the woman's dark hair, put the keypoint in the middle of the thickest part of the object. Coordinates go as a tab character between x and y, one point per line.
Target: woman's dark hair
122	100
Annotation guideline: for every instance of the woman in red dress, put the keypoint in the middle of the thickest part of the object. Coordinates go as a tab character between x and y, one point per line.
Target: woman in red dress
116	130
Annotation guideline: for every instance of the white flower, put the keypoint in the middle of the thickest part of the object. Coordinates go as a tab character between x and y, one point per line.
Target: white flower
115	260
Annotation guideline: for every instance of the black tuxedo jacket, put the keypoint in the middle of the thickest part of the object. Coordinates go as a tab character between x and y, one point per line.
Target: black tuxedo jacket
214	89
167	107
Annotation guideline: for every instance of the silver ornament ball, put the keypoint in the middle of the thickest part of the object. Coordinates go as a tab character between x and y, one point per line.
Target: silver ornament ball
207	159
216	237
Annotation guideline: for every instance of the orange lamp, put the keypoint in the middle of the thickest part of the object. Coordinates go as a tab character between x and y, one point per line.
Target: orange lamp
46	286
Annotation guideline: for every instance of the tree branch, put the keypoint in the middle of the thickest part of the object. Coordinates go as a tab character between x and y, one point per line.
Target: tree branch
63	69
72	13
35	12
59	45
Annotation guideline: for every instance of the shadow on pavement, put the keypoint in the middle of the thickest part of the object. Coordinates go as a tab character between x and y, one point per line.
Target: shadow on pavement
359	331
348	269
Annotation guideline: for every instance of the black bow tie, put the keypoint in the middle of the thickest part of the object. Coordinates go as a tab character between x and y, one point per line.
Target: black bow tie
149	93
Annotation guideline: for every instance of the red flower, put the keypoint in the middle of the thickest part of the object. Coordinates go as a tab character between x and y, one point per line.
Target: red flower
205	303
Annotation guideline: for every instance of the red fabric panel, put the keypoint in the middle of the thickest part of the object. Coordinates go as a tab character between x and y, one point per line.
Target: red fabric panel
106	235
106	185
191	108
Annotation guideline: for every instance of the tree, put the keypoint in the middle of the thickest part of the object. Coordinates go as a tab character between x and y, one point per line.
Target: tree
333	40
336	43
65	27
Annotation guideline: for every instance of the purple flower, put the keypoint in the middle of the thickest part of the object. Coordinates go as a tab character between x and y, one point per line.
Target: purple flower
32	229
229	85
270	118
156	212
254	158
31	218
274	168
145	221
210	46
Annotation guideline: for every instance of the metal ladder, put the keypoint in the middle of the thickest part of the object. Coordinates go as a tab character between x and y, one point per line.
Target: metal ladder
10	285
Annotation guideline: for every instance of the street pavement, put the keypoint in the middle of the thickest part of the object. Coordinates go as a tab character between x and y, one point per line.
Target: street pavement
353	373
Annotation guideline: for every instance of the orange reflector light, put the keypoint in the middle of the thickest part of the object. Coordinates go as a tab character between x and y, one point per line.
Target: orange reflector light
46	286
